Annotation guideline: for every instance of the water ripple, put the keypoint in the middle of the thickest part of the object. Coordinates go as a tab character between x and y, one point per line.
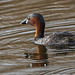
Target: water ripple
16	39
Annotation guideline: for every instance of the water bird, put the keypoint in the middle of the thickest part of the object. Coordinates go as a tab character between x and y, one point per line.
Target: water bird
56	39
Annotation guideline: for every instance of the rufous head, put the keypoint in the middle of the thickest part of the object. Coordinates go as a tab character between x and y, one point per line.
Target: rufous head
36	20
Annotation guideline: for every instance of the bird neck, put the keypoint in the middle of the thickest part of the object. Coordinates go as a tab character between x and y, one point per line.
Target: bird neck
39	31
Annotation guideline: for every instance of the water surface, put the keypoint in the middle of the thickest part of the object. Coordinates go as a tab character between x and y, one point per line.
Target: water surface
18	54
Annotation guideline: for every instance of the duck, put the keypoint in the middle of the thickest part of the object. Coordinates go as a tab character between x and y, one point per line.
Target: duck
57	39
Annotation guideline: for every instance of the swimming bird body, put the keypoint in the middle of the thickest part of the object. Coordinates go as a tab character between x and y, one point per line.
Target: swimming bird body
55	39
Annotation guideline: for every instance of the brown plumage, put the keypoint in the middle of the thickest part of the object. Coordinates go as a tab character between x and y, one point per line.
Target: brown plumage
57	39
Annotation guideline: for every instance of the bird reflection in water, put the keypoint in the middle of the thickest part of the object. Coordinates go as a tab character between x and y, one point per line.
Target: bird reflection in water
38	59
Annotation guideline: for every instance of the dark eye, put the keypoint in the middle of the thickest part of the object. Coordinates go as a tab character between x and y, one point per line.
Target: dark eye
28	18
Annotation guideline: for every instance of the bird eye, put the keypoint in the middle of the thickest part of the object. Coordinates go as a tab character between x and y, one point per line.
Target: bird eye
28	18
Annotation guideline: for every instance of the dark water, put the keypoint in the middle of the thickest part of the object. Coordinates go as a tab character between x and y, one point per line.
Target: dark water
18	54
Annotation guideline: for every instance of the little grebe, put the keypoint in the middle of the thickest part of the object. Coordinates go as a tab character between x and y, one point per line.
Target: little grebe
55	39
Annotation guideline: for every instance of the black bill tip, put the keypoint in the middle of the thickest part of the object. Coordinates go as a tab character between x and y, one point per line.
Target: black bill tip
23	22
